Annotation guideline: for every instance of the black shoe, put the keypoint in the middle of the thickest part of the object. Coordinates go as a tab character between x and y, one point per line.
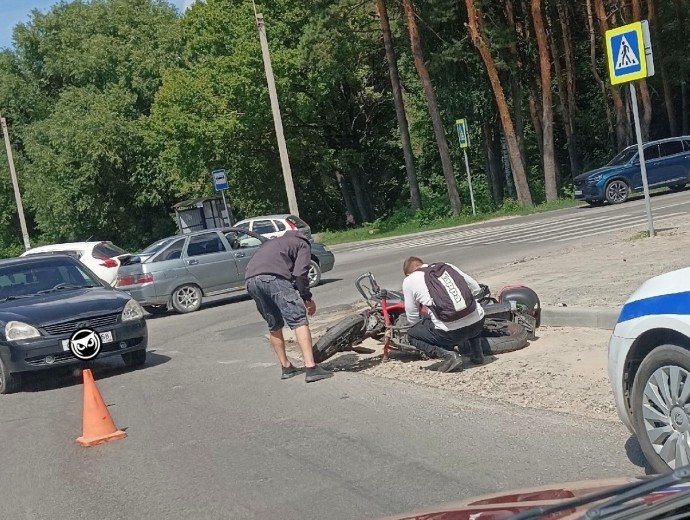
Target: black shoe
476	352
317	373
451	361
291	371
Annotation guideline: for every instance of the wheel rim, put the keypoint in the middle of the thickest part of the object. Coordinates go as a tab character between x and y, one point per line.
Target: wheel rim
187	297
617	191
313	274
666	414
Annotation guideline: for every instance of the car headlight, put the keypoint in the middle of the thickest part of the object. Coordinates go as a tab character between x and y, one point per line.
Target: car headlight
133	311
595	178
16	331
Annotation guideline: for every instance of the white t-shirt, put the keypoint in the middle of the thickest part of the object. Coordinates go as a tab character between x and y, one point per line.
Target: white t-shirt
417	293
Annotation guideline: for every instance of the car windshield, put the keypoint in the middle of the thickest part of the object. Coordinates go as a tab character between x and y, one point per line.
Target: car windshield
39	277
623	157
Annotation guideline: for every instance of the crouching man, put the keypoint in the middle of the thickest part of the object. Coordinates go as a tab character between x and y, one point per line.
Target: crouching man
453	315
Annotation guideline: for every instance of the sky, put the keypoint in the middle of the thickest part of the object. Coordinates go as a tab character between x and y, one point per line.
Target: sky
13	12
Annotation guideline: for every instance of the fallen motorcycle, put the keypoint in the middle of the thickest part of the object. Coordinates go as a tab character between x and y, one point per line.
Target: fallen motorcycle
511	321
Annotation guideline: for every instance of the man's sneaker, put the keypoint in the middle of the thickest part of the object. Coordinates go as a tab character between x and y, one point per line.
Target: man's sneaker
452	361
291	371
316	373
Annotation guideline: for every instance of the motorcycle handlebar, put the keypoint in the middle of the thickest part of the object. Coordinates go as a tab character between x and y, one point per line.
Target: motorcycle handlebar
373	290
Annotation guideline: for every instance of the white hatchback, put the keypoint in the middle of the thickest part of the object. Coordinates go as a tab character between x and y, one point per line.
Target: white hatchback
272	226
649	368
102	258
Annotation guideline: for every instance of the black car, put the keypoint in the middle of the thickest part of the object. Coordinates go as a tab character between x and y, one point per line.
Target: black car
54	312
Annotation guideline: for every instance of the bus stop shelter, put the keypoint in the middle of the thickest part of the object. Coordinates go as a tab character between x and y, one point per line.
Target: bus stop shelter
203	213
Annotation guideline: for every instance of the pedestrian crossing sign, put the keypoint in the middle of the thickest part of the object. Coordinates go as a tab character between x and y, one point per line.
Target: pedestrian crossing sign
628	52
461	126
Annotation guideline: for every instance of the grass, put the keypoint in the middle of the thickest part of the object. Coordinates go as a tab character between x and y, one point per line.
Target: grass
385	228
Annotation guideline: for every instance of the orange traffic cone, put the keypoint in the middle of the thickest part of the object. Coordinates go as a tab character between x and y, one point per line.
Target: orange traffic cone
98	425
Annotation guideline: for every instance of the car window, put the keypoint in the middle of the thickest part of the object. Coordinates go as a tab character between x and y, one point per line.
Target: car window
34	277
651	152
205	244
670	148
279	225
243	225
172	251
686	144
106	250
242	240
263	226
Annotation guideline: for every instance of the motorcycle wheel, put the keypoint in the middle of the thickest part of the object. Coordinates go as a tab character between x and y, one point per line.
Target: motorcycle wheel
339	338
501	336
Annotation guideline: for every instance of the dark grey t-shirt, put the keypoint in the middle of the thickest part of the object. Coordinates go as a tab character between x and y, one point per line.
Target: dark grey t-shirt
287	256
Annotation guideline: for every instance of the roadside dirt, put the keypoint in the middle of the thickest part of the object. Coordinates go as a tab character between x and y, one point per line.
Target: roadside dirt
596	272
564	369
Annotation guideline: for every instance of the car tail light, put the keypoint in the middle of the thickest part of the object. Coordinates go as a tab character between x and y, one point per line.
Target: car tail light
134	279
109	262
292	226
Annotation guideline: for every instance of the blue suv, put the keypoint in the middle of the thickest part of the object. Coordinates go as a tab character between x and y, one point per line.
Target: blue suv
668	165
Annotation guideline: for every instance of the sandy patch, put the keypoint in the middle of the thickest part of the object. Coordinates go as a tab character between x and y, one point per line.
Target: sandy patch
563	370
596	272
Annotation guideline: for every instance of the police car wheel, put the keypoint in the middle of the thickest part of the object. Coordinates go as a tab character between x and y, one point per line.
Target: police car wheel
661	407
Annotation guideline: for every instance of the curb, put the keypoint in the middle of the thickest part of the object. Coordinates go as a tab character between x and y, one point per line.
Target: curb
590	317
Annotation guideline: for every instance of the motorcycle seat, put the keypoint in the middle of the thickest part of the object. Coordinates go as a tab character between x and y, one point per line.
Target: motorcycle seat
395	296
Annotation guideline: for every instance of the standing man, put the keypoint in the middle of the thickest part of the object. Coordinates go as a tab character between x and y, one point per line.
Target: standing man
278	282
453	317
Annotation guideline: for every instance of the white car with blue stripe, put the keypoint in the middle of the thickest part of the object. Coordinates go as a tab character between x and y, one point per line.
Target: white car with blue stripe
649	368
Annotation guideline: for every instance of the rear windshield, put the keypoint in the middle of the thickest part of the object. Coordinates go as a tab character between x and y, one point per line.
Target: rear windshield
33	277
106	250
297	221
157	246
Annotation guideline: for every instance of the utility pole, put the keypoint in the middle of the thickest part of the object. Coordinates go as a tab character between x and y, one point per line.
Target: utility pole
275	107
15	184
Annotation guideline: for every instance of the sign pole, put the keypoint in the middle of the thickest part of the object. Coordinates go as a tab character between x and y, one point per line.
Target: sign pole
643	167
227	213
630	58
469	181
15	185
464	139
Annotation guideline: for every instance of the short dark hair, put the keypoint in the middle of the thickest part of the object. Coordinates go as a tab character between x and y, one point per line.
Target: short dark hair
411	264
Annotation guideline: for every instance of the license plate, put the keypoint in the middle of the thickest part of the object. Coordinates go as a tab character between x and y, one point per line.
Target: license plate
578	192
106	337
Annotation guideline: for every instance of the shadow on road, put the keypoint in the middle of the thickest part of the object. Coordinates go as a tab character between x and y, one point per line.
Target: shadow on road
635	455
634	197
219	301
63	377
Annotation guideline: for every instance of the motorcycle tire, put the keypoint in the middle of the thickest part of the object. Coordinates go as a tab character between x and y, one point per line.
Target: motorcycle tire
339	338
501	336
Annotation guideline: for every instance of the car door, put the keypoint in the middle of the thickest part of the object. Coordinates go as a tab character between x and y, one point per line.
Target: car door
265	228
209	261
674	163
653	164
244	246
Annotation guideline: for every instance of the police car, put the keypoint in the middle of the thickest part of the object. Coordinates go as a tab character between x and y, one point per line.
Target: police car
649	368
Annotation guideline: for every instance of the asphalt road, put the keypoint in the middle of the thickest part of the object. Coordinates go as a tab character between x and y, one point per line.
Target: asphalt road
214	433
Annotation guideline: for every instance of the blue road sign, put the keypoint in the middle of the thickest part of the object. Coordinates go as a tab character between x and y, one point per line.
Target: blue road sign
627	59
220	180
